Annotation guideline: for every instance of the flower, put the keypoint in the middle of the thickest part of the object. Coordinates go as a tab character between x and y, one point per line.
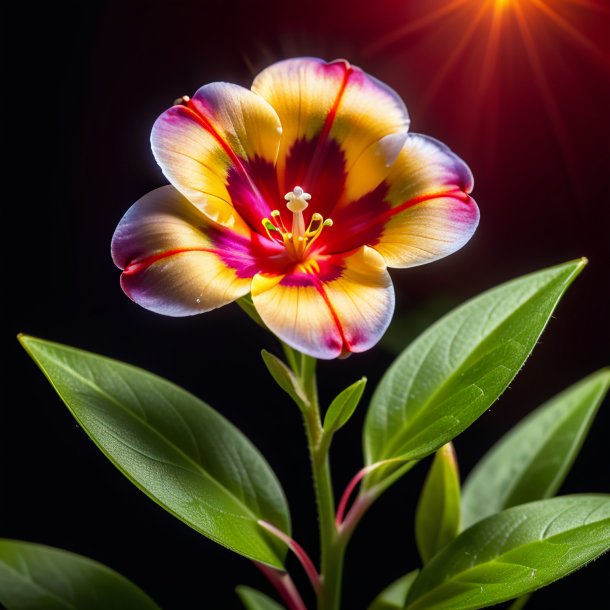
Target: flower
300	191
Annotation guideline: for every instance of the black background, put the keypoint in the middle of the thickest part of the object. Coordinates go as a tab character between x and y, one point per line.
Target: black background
83	85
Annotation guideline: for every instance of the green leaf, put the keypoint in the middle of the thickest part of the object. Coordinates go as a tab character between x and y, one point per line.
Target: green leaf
532	460
393	597
514	552
452	373
37	577
437	519
285	378
255	600
343	407
175	448
247	306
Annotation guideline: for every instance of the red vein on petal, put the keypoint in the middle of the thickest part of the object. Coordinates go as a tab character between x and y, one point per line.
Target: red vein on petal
332	115
209	127
317	158
320	288
454	194
142	264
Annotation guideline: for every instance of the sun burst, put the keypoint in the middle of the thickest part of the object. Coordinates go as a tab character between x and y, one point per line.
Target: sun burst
498	39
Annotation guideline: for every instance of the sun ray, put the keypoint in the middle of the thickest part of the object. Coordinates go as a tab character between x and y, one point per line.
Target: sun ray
483	95
590	4
548	98
573	33
492	48
414	26
455	56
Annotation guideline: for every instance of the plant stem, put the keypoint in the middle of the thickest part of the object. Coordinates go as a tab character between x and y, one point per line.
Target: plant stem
332	547
284	586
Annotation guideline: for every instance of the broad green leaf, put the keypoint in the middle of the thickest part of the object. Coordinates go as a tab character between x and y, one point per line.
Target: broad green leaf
514	552
532	460
343	407
255	600
37	577
393	597
285	378
452	373
174	447
437	519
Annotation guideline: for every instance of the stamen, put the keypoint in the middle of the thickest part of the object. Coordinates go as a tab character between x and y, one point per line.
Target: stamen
299	240
269	226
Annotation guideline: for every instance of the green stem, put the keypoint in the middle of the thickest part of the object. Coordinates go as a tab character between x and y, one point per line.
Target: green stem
332	546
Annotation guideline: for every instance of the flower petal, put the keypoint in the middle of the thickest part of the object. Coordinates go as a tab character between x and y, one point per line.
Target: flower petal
432	215
174	262
328	307
205	145
324	103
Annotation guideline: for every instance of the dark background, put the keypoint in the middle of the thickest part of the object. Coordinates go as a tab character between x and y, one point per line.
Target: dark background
523	97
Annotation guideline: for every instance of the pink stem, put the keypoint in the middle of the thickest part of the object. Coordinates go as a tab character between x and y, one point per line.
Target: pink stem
283	585
355	513
299	551
349	490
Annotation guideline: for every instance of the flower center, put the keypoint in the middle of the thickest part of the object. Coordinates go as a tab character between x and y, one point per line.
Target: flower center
298	241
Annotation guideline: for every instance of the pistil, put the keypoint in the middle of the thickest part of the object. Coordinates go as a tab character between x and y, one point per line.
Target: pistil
299	240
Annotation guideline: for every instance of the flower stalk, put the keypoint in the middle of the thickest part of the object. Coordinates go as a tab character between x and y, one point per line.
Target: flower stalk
332	546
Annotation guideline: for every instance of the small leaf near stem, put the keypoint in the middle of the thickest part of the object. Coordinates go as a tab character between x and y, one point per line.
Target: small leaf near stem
343	407
437	519
393	597
286	379
255	600
247	306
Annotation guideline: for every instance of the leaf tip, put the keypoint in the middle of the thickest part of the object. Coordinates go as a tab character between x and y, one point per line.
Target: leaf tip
579	264
23	338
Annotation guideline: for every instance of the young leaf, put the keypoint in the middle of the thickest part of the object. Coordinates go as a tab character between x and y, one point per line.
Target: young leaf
343	407
174	447
285	378
514	552
247	306
452	373
532	460
36	576
255	600
393	597
437	519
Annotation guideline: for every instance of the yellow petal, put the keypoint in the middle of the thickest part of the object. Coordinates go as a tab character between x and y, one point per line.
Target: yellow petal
207	142
336	306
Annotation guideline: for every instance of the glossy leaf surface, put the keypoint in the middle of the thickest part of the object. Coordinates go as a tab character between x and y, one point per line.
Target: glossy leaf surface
514	552
532	460
343	406
255	600
394	595
174	447
437	519
37	577
456	370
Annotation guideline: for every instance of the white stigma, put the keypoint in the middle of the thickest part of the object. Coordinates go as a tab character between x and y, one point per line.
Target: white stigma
297	200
